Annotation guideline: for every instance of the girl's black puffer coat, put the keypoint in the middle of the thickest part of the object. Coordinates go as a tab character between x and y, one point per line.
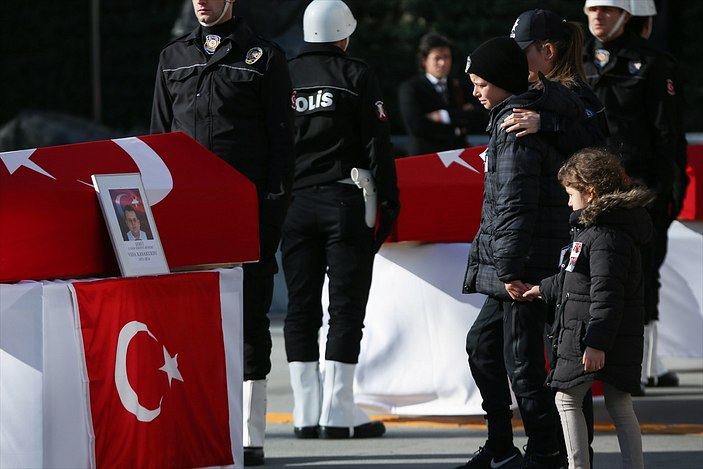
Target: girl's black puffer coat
600	302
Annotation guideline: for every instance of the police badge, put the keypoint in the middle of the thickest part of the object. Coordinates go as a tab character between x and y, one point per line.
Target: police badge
634	66
254	54
602	57
211	43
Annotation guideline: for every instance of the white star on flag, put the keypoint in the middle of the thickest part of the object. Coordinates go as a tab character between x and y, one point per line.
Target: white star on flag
171	367
16	159
453	156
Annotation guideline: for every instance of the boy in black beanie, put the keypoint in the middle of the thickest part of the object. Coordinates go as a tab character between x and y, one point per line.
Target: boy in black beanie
524	225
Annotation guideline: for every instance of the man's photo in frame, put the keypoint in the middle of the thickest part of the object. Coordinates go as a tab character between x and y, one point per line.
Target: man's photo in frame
129	209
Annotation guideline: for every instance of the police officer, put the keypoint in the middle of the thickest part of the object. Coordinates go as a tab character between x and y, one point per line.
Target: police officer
654	372
230	90
636	84
340	124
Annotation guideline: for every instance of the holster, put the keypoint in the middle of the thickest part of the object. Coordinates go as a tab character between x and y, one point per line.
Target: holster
364	181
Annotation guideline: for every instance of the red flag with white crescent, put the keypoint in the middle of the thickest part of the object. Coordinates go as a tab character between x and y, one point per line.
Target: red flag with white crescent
155	360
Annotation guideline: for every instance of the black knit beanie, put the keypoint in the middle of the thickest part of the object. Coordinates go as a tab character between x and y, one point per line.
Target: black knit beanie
502	62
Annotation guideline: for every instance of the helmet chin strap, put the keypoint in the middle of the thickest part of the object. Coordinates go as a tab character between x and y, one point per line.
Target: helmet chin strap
213	23
614	29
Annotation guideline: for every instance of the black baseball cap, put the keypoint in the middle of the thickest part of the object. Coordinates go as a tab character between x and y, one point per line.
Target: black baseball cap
537	25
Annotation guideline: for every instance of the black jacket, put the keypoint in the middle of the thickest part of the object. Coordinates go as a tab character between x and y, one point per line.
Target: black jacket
600	303
635	86
417	97
237	104
524	219
340	121
569	135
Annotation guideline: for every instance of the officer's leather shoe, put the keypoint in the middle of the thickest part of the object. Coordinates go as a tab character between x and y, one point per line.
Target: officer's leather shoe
372	429
253	456
333	433
367	430
306	432
667	380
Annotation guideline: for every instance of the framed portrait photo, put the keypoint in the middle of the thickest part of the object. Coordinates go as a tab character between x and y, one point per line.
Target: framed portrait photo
131	224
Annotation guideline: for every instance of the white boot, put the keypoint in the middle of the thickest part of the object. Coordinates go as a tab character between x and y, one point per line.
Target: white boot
648	353
305	381
339	416
254	424
654	372
337	395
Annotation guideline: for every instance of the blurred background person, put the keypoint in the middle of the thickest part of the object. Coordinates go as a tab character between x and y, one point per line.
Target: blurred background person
654	372
438	110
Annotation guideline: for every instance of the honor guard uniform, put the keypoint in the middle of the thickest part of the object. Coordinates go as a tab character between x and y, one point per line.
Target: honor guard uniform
230	90
341	128
636	84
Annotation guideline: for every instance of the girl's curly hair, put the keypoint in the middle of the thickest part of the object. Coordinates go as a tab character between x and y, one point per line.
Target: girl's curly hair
594	169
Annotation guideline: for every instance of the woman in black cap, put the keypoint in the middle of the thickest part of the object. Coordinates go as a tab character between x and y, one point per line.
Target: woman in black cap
524	225
553	48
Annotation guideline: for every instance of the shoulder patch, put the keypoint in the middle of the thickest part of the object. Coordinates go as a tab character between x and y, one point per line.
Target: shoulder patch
670	87
254	54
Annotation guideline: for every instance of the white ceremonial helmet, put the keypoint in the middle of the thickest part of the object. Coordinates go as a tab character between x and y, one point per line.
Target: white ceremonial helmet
622	4
327	21
643	8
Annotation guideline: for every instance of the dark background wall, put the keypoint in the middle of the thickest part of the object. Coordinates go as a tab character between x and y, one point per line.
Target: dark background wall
47	61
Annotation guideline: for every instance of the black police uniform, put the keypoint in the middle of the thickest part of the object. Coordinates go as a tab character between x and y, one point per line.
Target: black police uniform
237	103
340	124
636	85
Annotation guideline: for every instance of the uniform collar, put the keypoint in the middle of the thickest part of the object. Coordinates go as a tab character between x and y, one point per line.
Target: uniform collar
321	48
239	33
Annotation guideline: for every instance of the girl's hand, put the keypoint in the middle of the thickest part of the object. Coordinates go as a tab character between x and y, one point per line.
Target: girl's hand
522	120
532	293
593	360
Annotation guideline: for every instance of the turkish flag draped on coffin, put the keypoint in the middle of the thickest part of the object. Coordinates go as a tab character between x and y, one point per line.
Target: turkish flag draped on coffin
441	195
206	211
155	359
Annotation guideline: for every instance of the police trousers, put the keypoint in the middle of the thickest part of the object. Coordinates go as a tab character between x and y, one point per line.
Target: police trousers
325	234
258	294
506	340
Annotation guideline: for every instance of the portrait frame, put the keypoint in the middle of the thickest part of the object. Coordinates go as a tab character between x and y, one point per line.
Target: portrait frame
130	224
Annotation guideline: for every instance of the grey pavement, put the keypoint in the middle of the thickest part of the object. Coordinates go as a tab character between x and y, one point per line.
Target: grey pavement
671	420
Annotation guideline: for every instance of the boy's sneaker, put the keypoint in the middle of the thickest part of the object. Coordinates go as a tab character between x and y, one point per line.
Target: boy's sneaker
486	459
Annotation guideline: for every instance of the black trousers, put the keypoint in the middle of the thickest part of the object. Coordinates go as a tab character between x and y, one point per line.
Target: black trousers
258	293
325	234
507	340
